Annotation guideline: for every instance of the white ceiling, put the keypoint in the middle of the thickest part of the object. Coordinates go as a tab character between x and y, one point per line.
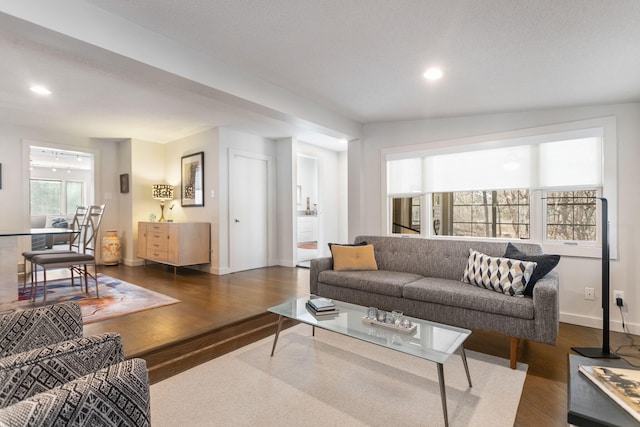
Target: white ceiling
362	59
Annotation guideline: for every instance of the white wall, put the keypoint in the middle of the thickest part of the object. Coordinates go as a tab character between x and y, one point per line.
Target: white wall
343	197
286	201
575	273
207	142
147	168
128	229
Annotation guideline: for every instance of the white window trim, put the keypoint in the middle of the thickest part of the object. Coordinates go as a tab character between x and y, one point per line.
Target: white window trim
567	130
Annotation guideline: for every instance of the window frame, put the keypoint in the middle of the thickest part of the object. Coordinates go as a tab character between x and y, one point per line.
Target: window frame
609	189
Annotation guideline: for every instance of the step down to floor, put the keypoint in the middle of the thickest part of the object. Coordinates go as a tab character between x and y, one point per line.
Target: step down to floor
171	359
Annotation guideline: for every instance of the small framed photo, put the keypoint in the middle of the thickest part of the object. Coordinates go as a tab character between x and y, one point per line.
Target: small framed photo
192	193
124	183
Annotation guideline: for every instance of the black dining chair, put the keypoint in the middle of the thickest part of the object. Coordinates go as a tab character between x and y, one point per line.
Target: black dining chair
76	262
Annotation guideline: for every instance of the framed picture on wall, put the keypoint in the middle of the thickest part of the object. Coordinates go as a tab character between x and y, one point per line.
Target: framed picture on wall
192	172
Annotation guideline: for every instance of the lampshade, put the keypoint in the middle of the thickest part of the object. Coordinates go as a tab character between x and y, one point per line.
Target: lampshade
162	191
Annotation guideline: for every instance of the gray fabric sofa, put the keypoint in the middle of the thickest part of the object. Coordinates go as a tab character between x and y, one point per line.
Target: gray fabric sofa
49	240
422	277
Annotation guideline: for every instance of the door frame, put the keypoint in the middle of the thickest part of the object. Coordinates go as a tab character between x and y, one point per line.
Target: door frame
271	204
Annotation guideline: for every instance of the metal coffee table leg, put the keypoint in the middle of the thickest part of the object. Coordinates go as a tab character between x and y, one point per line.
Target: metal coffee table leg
275	340
443	394
466	366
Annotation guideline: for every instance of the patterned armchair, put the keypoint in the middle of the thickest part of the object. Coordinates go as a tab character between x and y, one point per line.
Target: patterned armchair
51	375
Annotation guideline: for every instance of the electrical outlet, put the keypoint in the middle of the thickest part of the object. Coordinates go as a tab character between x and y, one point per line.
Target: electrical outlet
589	294
618	294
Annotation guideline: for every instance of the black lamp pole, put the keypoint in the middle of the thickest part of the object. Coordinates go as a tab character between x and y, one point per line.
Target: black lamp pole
604	352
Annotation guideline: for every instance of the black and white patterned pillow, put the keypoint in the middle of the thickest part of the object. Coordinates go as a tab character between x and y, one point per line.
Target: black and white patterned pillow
505	275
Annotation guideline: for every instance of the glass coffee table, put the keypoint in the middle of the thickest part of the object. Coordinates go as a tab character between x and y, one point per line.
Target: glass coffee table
430	341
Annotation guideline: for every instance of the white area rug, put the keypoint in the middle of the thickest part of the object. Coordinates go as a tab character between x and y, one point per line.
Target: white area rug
330	380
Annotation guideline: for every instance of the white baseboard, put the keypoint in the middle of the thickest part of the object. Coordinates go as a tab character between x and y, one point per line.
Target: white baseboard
595	322
220	271
284	263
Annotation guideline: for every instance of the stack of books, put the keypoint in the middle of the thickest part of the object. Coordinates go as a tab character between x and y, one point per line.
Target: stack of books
321	307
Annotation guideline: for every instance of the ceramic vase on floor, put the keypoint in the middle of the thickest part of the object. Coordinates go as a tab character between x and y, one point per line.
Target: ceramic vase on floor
111	248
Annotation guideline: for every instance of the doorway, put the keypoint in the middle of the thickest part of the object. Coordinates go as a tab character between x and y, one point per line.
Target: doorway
307	220
249	210
59	180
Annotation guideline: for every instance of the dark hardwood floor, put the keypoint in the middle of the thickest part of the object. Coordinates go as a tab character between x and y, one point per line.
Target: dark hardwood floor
218	314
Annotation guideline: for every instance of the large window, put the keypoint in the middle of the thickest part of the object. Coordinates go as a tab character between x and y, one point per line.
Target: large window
46	197
59	180
74	196
542	187
571	215
496	213
406	215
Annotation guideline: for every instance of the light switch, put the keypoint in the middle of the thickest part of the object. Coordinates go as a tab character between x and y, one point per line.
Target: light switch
213	194
107	196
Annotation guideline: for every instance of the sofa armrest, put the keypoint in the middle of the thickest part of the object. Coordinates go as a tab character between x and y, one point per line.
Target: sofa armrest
37	327
26	374
116	395
546	307
317	266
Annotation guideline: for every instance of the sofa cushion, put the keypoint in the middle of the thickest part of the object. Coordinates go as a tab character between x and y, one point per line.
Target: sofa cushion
545	263
454	293
353	258
504	275
379	281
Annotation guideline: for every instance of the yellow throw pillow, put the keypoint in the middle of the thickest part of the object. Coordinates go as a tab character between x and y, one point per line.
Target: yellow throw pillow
353	258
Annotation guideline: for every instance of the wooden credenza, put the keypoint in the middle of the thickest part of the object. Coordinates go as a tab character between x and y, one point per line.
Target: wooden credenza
175	243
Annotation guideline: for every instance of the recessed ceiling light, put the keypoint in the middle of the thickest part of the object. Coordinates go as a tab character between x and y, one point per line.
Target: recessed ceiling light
433	73
40	90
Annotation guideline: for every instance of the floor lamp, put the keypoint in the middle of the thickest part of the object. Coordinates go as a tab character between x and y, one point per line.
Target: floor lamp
604	352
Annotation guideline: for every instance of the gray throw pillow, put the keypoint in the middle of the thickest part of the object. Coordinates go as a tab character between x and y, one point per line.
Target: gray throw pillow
546	263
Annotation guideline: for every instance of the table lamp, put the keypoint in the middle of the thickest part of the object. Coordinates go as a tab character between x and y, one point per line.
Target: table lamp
162	192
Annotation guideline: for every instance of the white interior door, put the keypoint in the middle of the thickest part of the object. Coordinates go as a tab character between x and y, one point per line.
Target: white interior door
249	212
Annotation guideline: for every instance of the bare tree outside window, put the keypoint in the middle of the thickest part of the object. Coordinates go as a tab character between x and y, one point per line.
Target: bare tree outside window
492	213
571	215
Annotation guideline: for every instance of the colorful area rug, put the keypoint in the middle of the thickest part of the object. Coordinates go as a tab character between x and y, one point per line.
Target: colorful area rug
117	298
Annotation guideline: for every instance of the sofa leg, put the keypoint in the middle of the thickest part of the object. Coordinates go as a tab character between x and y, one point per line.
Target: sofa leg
515	343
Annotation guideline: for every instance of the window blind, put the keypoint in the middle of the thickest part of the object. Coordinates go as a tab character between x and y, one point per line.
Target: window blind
404	176
570	163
